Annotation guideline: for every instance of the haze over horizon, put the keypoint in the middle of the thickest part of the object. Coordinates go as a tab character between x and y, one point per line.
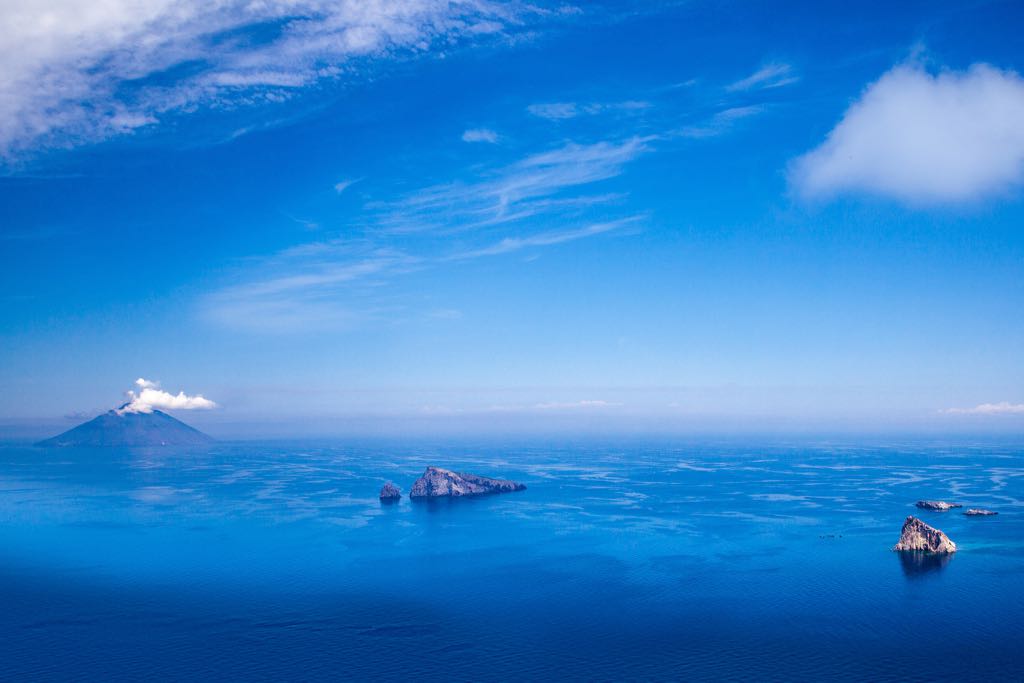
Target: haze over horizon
444	217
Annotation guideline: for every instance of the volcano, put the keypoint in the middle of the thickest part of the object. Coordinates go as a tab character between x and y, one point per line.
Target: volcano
123	428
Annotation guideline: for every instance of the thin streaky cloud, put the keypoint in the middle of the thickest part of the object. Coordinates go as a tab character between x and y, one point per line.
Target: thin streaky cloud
343	185
1002	408
523	189
319	276
554	111
545	239
342	282
774	75
560	111
331	283
321	285
480	135
577	405
339	282
719	123
328	294
583	405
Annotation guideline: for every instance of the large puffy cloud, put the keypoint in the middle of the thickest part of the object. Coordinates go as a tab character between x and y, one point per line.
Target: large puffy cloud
73	71
924	138
150	397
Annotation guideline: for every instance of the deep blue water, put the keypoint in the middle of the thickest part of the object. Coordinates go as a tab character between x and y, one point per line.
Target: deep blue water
669	561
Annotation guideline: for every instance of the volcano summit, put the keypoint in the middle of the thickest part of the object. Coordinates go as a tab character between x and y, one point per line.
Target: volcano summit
126	428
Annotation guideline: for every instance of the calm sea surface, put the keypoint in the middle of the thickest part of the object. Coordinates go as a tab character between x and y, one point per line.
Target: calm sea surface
668	561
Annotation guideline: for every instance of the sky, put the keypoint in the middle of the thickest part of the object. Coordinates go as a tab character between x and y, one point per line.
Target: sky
304	217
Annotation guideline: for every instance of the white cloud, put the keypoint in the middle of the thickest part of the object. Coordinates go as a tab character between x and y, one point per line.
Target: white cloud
1003	408
480	135
554	111
73	71
315	286
924	138
581	406
576	405
545	239
335	285
720	122
343	185
150	397
343	282
559	111
524	189
328	275
773	75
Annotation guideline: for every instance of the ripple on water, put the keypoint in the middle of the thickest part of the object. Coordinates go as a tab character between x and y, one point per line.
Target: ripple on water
653	562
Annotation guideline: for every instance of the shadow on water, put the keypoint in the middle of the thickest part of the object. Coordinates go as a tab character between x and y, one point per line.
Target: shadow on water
447	503
460	507
917	565
439	505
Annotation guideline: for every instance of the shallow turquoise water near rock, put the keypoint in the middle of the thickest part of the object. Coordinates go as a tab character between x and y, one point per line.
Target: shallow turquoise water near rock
621	561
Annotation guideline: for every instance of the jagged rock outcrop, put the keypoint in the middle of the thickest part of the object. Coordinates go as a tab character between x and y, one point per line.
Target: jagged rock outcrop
918	536
937	505
979	512
440	483
389	492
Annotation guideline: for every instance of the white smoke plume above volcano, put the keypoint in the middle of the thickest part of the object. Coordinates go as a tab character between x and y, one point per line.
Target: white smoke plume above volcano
150	397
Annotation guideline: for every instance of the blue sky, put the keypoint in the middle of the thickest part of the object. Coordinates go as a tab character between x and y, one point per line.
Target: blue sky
487	216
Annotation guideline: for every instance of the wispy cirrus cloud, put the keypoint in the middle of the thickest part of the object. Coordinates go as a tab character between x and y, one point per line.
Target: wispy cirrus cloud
720	122
771	75
585	404
314	286
526	408
74	72
1002	408
342	282
332	285
480	135
343	185
529	187
542	200
545	239
559	111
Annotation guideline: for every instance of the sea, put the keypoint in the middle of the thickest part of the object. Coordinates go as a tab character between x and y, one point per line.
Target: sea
696	559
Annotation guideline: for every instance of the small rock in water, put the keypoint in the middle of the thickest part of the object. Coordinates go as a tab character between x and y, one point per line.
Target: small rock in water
979	512
937	505
390	492
440	483
917	535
